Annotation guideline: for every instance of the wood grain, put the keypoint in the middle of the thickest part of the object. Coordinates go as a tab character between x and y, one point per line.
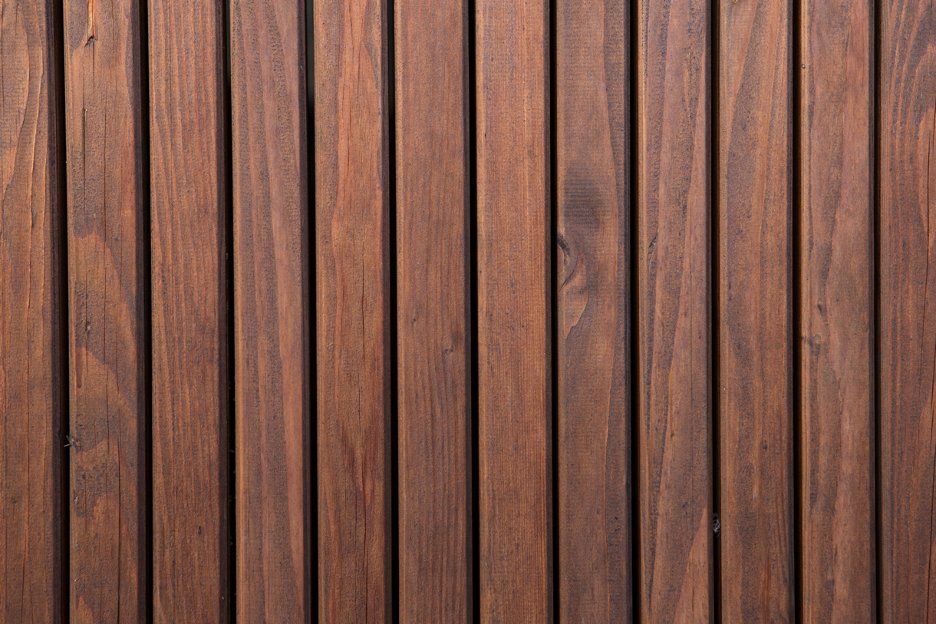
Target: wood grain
755	311
31	398
908	329
594	418
837	561
434	382
189	322
271	311
353	309
514	291
674	401
106	296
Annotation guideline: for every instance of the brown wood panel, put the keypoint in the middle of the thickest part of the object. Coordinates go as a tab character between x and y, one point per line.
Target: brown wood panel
908	329
189	322
106	278
755	311
271	311
30	313
836	249
675	392
593	170
434	381
353	301
514	291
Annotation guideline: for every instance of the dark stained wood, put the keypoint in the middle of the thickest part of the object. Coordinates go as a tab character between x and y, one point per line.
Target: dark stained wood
106	298
837	561
514	282
755	315
593	153
31	210
908	301
353	302
675	392
433	324
271	311
189	322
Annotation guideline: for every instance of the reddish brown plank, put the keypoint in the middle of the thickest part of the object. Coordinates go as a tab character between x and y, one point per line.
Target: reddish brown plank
271	311
908	327
30	313
593	154
189	322
514	282
837	301
755	311
674	400
106	297
434	418
353	309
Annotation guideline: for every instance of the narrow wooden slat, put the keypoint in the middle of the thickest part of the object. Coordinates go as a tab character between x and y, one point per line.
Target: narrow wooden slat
106	273
674	401
908	302
30	312
755	315
593	152
433	324
271	311
190	385
353	309
514	281
836	247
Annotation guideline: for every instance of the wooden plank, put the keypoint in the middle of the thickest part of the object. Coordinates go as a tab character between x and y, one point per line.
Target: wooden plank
908	328
514	282
106	296
755	311
190	383
837	301
675	392
594	418
434	379
353	301
30	315
271	311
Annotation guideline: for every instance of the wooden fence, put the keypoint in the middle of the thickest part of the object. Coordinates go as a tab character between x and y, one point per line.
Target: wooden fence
464	311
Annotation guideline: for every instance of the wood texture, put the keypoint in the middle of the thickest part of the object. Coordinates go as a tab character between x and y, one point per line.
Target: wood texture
908	329
755	315
836	249
434	379
674	401
514	282
271	311
353	309
31	209
189	314
594	350
106	297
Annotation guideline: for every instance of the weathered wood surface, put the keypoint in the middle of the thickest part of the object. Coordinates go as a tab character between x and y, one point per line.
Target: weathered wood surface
31	213
189	313
271	312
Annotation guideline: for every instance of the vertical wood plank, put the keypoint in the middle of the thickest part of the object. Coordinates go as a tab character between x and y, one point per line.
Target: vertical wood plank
593	153
514	281
675	404
190	384
755	316
106	311
271	311
30	314
836	246
433	325
353	309
908	327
